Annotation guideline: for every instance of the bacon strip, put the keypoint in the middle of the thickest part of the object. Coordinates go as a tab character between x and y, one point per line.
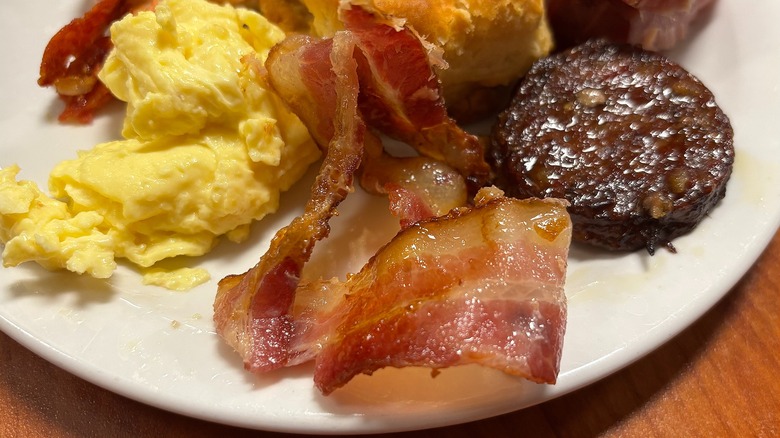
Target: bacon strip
418	187
318	80
252	311
490	276
75	55
480	285
483	285
401	95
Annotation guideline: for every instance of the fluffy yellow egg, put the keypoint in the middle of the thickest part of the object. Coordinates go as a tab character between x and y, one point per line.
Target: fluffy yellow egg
35	227
206	151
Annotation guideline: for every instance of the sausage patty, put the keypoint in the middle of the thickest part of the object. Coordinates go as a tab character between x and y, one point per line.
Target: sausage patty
634	142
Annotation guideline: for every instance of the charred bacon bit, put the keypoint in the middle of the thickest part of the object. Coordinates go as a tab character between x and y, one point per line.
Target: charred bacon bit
481	285
653	24
252	311
401	95
75	55
83	107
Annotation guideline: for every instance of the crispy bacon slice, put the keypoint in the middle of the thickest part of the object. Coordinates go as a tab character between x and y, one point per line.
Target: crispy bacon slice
399	92
418	187
318	79
74	56
653	24
480	285
252	311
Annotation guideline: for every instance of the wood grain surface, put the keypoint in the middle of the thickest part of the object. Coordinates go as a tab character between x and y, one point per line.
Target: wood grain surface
718	378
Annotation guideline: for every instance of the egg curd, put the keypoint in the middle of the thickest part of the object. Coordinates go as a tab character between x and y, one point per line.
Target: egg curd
206	151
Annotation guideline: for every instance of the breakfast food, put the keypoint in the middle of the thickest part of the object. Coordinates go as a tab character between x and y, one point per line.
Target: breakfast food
73	58
441	267
75	54
652	24
635	143
473	38
481	285
205	155
470	36
207	151
300	71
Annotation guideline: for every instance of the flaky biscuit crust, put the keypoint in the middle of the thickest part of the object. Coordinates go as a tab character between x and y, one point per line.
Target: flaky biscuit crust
485	43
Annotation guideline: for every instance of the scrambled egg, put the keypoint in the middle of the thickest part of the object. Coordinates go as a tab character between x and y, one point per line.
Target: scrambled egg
206	151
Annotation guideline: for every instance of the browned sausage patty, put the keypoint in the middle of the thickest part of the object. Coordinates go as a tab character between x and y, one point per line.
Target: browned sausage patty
635	143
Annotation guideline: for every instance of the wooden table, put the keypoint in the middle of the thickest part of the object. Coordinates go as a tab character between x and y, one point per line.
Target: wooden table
718	378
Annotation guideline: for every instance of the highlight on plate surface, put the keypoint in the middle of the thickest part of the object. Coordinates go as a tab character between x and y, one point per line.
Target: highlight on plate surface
599	138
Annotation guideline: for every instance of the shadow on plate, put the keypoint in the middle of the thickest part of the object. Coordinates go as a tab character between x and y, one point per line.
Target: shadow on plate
43	284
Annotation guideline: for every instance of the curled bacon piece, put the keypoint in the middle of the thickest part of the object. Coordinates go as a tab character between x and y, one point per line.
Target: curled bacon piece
74	56
418	187
399	93
252	311
319	81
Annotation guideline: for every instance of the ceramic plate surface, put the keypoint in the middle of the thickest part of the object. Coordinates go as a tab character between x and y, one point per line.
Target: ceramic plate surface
159	347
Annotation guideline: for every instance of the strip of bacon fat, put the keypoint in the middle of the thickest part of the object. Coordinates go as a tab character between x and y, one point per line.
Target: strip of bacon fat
418	188
481	285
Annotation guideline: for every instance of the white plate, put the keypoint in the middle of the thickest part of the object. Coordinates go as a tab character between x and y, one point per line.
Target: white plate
159	347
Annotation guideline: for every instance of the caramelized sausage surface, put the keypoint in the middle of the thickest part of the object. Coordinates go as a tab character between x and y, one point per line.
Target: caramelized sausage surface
634	142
